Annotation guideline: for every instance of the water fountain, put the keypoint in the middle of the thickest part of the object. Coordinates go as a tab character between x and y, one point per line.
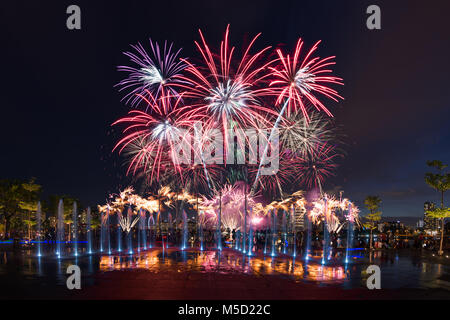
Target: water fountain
119	233
238	240
143	230
108	235
38	223
273	230
349	234
130	232
60	229
102	231
244	234
308	236
200	232
151	221
219	232
169	228
75	229
284	225
185	231
325	232
294	233
88	230
250	236
265	240
250	242
158	222
139	229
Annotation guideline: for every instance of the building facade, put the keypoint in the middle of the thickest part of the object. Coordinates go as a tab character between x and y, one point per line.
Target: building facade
429	223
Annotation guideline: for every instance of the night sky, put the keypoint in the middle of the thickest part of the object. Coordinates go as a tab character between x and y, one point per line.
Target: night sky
58	98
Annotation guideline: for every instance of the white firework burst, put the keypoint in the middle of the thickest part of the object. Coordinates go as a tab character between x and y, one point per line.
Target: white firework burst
302	137
230	99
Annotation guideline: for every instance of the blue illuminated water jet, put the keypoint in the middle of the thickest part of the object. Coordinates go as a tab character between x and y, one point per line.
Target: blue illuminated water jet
38	223
60	228
75	229
88	230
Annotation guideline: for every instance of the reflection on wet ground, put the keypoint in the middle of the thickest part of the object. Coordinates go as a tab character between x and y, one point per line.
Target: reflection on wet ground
25	275
229	262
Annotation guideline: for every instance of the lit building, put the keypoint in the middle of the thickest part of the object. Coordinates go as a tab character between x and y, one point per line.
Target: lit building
429	222
299	214
420	224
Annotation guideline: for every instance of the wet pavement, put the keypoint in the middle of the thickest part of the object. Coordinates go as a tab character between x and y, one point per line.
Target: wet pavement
192	274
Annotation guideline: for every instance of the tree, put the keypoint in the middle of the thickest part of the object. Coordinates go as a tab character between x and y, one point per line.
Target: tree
372	203
441	183
52	207
10	197
16	199
29	202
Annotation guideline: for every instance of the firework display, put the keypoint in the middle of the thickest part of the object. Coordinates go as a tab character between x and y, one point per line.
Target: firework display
197	102
172	97
219	150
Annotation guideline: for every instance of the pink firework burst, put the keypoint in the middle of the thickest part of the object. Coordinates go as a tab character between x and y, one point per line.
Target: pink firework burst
227	92
153	138
296	79
314	169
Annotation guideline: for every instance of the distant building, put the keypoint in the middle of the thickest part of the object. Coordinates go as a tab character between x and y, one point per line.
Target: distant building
391	226
429	222
420	224
299	215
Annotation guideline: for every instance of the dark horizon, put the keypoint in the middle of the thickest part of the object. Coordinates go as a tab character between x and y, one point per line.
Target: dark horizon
60	100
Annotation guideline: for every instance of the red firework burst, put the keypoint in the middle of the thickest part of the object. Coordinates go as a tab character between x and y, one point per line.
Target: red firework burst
314	169
153	138
228	93
297	79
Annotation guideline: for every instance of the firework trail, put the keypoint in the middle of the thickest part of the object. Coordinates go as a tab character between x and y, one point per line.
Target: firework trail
272	185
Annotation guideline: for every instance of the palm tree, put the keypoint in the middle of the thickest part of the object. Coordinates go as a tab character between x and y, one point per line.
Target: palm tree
372	203
441	183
